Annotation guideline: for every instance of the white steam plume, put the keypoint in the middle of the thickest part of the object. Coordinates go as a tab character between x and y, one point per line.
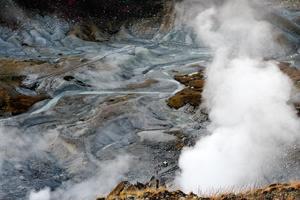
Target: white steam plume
245	95
108	175
41	195
16	147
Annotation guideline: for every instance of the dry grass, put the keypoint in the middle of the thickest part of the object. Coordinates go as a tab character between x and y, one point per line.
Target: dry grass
137	194
289	191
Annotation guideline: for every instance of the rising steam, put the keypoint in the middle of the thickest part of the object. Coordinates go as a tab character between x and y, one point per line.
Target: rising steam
107	176
16	147
245	95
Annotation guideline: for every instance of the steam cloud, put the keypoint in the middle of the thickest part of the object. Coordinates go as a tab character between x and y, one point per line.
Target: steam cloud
17	147
245	95
41	195
108	175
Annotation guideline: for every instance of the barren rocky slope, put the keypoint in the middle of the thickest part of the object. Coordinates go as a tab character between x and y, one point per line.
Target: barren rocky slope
111	96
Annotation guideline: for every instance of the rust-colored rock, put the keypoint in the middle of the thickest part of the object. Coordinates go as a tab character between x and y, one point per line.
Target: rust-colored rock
12	74
185	96
291	71
187	80
191	94
20	103
12	103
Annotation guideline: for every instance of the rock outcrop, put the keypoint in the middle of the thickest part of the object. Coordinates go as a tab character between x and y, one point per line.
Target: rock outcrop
191	94
126	191
19	82
14	98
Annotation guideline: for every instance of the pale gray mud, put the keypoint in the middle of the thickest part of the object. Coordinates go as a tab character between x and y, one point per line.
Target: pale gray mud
97	111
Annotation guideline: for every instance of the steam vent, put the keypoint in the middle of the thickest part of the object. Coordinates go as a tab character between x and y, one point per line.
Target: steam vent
149	100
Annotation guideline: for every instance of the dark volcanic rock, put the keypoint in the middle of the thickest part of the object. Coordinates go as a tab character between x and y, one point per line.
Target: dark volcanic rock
106	16
93	19
33	174
105	8
8	14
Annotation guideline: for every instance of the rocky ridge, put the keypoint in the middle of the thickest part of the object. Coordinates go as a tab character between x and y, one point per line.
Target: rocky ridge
139	191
